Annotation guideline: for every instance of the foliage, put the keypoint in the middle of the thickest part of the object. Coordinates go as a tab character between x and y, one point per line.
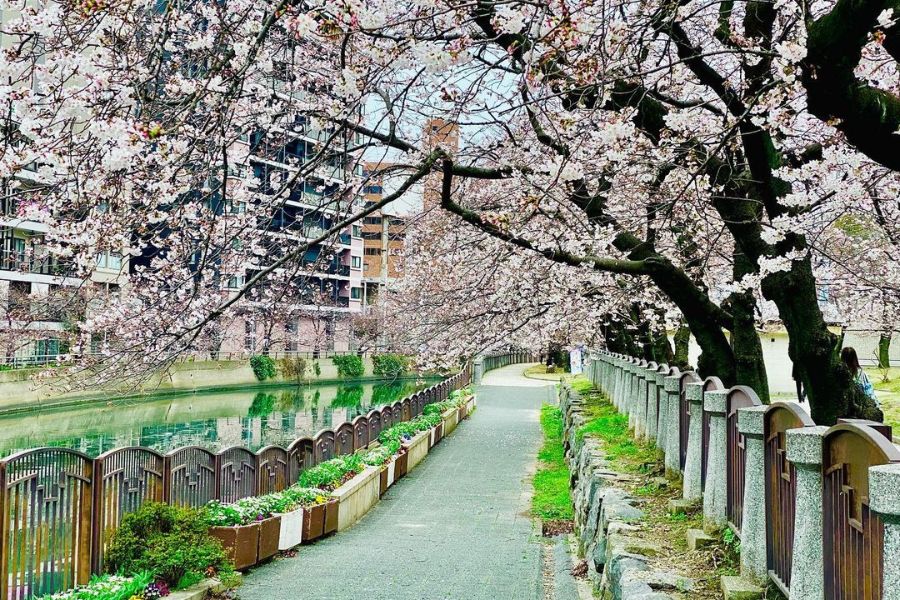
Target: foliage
349	365
330	474
317	369
552	498
389	365
168	541
263	404
407	429
293	367
382	454
107	587
263	367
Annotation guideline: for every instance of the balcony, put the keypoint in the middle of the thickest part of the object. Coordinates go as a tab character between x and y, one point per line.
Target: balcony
41	265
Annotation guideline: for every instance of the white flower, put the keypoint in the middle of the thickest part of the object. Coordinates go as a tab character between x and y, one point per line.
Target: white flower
508	19
791	51
301	25
885	19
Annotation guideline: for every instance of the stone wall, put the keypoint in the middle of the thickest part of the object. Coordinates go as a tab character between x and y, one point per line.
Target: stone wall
619	562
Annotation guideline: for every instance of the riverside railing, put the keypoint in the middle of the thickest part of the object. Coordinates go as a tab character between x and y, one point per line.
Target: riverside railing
58	507
489	362
817	508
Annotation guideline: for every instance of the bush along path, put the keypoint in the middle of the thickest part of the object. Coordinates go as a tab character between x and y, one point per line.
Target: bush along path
630	533
458	527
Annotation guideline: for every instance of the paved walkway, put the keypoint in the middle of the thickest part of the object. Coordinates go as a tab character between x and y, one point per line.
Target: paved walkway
456	528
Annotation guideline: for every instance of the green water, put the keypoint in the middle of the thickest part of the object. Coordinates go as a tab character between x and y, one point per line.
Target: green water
252	417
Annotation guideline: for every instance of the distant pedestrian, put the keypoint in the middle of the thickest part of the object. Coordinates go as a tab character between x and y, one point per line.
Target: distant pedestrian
848	355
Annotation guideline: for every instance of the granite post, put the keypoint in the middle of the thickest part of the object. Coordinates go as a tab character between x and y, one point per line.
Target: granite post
715	490
884	499
751	423
804	451
673	421
692	487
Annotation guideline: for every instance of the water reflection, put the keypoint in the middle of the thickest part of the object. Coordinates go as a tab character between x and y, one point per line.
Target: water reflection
252	417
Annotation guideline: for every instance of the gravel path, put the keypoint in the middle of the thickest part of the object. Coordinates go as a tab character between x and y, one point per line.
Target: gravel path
456	528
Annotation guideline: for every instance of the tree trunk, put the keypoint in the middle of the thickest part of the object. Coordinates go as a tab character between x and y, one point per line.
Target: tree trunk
814	350
662	350
884	350
749	363
682	347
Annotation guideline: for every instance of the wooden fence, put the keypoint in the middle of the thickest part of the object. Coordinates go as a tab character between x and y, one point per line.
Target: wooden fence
853	535
58	507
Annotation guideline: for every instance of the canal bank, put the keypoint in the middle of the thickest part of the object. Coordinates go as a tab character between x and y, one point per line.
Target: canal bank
27	389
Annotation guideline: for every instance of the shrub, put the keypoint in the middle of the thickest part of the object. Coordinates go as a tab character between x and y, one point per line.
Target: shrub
263	367
317	369
349	365
248	510
168	541
389	366
293	368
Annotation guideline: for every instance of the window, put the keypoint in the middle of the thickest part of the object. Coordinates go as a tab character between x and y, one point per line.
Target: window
371	235
109	260
355	262
356	293
249	336
235	282
373	251
237	208
374	189
356	231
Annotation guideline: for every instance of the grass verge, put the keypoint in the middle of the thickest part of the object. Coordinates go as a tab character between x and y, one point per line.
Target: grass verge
552	500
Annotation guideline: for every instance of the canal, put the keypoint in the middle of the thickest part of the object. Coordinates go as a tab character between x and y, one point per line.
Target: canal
252	416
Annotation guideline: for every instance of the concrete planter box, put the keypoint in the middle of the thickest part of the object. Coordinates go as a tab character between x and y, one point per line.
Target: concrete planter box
241	543
417	449
470	405
450	419
313	523
269	538
386	475
291	529
357	496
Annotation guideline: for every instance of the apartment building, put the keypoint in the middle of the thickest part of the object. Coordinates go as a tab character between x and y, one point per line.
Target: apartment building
383	242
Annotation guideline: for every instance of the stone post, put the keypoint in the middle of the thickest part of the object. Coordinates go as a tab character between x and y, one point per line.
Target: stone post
692	488
673	435
715	490
618	374
632	395
652	417
477	369
804	451
884	499
751	423
640	423
662	431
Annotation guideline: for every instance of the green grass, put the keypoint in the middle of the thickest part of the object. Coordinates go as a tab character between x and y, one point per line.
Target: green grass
607	424
552	498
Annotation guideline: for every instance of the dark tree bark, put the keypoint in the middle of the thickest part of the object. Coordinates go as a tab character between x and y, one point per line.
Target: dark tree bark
682	340
884	350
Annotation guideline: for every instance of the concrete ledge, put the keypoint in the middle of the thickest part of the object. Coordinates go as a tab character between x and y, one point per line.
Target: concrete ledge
451	420
357	496
738	588
199	591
